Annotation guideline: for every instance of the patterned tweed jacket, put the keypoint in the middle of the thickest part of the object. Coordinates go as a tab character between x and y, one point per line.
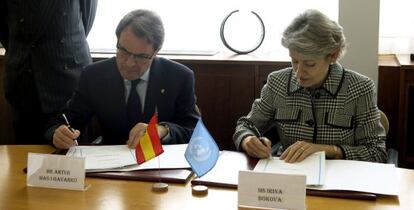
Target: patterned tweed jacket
342	112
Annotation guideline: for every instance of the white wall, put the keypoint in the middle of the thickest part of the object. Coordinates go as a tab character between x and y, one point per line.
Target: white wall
360	20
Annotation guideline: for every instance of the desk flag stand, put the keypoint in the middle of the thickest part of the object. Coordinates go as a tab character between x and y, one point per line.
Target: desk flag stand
202	153
159	186
199	189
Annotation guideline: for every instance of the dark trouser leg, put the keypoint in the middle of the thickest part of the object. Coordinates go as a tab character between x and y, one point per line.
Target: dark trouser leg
29	121
30	125
29	128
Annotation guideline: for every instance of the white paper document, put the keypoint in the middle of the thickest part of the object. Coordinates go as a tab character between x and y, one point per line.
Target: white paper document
361	176
348	175
122	158
313	167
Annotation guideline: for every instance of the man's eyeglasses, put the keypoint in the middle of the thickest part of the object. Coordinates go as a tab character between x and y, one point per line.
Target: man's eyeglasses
142	57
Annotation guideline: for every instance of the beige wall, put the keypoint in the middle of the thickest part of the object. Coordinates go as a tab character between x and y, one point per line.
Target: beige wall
360	20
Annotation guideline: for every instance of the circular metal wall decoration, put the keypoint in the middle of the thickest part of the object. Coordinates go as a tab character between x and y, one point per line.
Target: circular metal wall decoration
251	26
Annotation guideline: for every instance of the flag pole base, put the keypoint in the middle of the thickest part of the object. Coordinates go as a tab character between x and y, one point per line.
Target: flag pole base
160	187
199	190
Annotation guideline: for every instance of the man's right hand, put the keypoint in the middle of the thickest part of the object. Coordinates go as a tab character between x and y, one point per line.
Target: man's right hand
64	138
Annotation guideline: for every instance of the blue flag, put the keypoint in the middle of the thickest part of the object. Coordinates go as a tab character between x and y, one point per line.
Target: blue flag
202	151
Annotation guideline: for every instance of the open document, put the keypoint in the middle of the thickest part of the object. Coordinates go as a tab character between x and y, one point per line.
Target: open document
361	176
313	167
343	175
122	158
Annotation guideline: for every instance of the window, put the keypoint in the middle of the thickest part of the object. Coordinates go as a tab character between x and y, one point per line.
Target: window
195	25
396	31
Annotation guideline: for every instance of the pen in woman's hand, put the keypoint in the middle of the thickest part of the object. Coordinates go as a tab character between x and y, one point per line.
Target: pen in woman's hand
256	132
262	140
70	128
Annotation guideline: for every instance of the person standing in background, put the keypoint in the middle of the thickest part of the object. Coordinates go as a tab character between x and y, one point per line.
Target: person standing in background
46	49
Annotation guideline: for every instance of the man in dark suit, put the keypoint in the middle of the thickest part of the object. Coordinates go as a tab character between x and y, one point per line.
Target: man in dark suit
106	90
46	48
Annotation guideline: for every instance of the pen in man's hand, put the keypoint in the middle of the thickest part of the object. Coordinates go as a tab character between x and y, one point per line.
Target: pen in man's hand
70	128
256	132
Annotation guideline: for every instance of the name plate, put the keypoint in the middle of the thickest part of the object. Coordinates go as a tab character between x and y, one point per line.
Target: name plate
270	190
56	171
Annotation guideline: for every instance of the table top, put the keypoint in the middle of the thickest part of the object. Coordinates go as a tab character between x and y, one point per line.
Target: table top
123	194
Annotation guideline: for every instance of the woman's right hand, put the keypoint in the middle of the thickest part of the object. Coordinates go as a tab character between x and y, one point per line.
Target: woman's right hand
255	147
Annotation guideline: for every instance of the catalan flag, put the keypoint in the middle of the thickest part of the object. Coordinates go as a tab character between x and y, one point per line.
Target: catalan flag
149	145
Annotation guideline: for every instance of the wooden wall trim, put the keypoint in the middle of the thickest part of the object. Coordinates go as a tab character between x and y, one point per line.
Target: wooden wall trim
219	72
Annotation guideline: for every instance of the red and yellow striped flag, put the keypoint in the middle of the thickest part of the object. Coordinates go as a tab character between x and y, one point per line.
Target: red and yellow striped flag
149	145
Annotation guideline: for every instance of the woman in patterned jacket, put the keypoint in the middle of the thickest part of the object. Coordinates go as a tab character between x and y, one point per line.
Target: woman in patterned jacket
317	104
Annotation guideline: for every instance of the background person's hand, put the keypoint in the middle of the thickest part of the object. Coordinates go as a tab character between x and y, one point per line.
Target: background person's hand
64	138
257	148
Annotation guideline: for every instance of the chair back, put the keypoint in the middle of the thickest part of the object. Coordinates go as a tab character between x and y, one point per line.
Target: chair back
384	121
392	153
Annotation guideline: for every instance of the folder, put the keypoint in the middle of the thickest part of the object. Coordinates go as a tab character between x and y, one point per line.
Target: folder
226	171
105	158
225	174
167	175
153	175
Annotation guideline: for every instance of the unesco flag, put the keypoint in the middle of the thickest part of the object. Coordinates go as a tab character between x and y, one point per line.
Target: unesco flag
202	151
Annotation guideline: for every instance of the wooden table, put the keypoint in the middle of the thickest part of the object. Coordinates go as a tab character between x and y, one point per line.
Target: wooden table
120	194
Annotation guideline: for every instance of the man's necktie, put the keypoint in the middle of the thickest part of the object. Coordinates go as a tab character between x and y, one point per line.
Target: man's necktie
134	104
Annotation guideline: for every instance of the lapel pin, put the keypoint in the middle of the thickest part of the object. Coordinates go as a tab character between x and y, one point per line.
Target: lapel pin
162	91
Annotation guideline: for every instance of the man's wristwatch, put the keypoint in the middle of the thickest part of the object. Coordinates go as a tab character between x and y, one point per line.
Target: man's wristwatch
165	125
